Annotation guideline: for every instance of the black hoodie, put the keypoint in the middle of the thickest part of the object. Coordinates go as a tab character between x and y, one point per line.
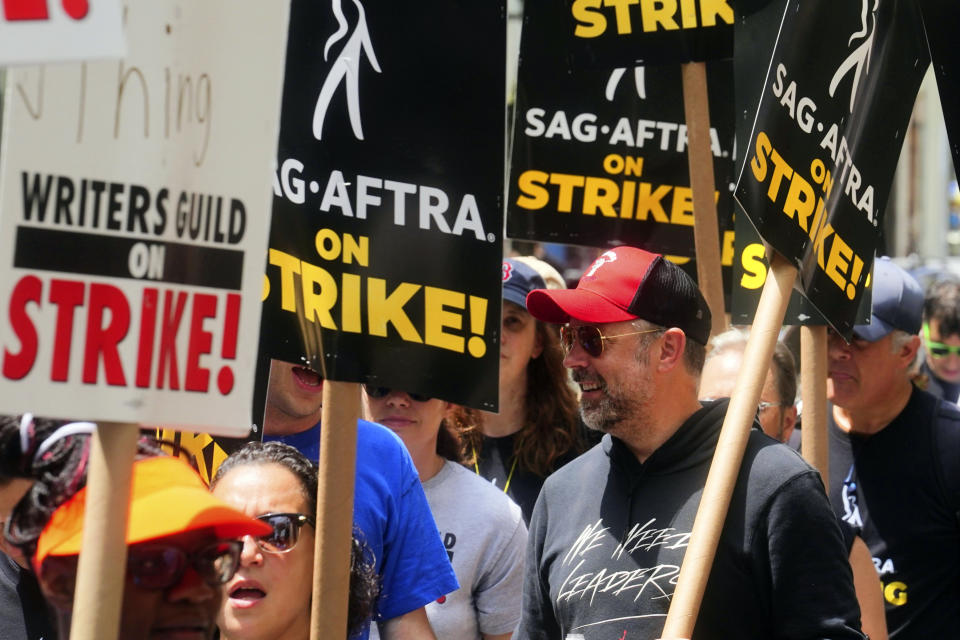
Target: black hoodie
608	536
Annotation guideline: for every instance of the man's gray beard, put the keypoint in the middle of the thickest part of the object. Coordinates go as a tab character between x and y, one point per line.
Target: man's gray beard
604	415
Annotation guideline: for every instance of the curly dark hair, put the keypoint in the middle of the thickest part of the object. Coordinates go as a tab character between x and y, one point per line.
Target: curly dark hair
550	428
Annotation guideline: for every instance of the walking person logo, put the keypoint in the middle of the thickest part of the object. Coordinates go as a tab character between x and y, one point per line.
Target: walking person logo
345	69
859	59
851	510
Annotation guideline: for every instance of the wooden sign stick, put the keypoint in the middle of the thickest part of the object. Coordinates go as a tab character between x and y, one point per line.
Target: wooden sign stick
331	556
101	570
813	391
706	229
715	501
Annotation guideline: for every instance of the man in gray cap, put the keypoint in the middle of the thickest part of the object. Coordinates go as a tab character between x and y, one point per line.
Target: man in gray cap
894	468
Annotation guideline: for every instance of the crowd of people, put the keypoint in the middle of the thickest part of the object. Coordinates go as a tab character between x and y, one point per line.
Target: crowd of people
564	516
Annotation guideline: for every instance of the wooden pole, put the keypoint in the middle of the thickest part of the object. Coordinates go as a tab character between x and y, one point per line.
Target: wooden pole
706	229
338	454
103	559
813	391
712	511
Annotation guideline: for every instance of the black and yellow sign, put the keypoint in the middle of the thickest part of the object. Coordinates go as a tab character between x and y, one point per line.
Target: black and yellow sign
607	33
600	159
386	244
831	120
941	18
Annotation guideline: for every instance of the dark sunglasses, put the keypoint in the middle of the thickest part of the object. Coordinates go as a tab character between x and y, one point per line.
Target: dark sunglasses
152	566
589	338
286	531
383	392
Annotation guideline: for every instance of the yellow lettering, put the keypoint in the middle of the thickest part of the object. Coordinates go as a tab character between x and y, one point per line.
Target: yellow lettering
710	10
628	191
622	13
895	593
590	22
533	195
781	170
356	250
726	249
688	13
567	184
437	318
383	309
758	164
838	263
602	194
318	303
327	243
659	12
350	303
800	200
682	210
822	234
755	271
650	203
289	266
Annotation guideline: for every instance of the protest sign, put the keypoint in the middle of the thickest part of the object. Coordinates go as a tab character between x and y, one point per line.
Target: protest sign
609	33
831	120
749	272
135	198
601	158
33	31
386	245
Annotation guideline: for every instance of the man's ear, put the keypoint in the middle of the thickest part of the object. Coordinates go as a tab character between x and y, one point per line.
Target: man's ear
673	343
908	351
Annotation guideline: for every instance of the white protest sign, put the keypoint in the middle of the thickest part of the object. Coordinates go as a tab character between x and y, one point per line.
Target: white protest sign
135	199
60	30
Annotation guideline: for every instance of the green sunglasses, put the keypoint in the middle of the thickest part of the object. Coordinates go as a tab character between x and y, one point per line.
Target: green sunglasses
938	349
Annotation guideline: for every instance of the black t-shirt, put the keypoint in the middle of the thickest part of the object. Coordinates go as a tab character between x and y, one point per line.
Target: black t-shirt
900	489
497	464
23	611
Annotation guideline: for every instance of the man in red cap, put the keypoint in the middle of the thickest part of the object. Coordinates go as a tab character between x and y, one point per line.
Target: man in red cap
610	529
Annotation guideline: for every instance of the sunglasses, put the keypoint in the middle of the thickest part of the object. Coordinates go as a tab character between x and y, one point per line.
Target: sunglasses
286	531
383	392
938	349
589	338
154	567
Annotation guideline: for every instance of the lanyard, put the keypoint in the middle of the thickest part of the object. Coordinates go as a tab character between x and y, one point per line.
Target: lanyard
513	467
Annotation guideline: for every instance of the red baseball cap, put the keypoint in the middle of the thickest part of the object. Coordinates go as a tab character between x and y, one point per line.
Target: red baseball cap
624	284
166	497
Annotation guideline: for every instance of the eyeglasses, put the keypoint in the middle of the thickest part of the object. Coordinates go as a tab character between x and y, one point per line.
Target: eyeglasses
589	338
762	406
152	566
161	567
286	531
938	349
383	392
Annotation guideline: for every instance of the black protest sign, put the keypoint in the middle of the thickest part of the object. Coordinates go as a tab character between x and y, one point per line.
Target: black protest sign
831	120
608	33
600	159
385	249
941	18
750	269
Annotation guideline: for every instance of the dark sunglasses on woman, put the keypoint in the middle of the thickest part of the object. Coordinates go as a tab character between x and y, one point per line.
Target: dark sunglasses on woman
286	531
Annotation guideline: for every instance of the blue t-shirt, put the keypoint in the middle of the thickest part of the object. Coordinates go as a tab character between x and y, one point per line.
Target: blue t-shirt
391	511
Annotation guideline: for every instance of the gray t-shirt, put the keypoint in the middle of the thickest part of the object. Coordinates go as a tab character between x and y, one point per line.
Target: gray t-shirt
485	537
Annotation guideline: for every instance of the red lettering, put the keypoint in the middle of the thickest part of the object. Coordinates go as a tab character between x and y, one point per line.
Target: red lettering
168	339
102	341
17	365
37	9
148	325
67	295
197	377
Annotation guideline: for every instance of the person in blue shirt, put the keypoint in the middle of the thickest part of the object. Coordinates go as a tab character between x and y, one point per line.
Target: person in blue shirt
389	504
